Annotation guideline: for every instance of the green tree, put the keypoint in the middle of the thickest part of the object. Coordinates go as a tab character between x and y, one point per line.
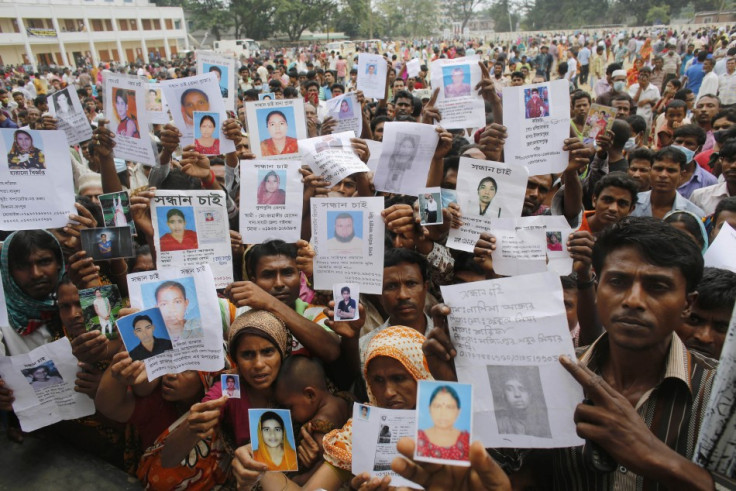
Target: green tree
253	18
211	15
659	14
408	18
462	10
293	18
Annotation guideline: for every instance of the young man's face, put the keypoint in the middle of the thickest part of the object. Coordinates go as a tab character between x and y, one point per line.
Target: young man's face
143	330
623	109
346	296
704	330
665	175
580	110
689	142
612	204
403	294
279	276
639	170
38	275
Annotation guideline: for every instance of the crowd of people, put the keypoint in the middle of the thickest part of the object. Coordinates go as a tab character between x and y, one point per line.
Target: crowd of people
645	200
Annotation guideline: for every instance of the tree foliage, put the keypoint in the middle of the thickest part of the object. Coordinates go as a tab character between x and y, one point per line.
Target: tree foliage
293	18
462	10
407	18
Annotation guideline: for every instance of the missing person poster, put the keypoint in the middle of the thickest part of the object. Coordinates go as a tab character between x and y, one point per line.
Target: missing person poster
65	106
271	200
346	110
332	156
188	327
158	111
36	190
407	154
372	71
275	127
509	334
43	382
192	228
538	122
125	102
459	103
347	235
486	191
223	67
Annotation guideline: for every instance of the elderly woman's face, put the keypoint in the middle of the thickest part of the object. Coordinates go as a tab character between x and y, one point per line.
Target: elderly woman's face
444	411
392	385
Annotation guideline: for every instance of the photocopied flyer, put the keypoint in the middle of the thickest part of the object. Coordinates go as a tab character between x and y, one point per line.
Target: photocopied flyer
332	156
271	199
42	382
376	431
64	105
275	127
36	189
191	335
538	122
346	110
459	103
372	75
347	235
224	69
158	111
509	334
192	228
486	191
407	153
125	103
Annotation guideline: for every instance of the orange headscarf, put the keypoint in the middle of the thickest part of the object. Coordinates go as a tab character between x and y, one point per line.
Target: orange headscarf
288	462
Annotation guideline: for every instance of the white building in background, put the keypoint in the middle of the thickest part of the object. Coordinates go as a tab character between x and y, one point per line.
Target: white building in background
59	32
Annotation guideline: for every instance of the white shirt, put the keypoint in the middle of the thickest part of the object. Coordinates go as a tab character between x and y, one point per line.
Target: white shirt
572	68
708	197
650	93
709	85
727	88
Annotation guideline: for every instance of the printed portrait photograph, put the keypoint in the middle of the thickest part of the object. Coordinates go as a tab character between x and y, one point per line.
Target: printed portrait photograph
62	102
554	241
43	375
346	109
346	297
100	307
456	80
327	142
144	334
177	301
484	206
345	233
272	439
271	187
266	96
401	160
444	415
230	385
26	150
126	113
106	243
371	69
221	72
190	100
364	412
207	133
536	102
177	228
116	210
518	400
154	102
430	208
277	131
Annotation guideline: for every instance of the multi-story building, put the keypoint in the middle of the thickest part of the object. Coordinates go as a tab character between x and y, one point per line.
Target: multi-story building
61	32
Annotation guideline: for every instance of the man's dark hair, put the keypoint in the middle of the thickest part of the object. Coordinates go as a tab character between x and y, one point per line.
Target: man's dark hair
637	123
579	94
642	153
612	68
291	93
378	120
728	149
716	290
26	241
569	282
702	55
659	244
270	248
344	289
672	155
338	86
139	318
310	83
674	104
170	284
621	133
729	114
691	130
726	204
682	94
403	94
618	180
517	74
396	256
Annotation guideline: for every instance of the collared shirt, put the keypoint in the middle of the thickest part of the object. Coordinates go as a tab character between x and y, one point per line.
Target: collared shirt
701	178
708	198
649	93
644	205
672	410
727	88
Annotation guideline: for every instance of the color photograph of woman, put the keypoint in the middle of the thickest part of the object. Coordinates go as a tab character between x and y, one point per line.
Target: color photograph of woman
177	232
193	100
153	100
443	427
346	110
270	190
43	376
273	443
206	133
127	125
24	154
279	142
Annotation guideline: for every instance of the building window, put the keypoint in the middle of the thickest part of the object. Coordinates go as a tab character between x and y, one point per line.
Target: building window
146	24
157	24
169	24
133	25
123	24
97	25
108	24
177	24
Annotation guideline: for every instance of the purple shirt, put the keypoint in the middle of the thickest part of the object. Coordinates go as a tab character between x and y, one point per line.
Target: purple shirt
700	179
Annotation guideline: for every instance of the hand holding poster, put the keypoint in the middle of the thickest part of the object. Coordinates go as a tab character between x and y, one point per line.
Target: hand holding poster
459	102
486	191
347	234
509	334
125	100
35	192
407	153
271	197
372	71
275	127
346	110
223	68
192	228
43	382
189	326
66	108
332	156
538	122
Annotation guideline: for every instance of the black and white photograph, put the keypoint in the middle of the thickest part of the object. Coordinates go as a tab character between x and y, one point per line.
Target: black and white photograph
518	400
43	376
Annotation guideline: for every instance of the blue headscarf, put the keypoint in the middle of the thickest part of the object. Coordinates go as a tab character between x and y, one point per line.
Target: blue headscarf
25	313
698	220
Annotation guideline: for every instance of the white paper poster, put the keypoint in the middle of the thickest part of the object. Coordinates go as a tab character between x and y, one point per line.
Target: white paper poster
125	102
36	182
537	118
65	106
413	67
275	127
486	191
509	334
271	200
156	107
375	434
188	303
407	154
375	148
720	253
332	156
346	110
224	69
192	228
42	382
459	103
347	235
372	75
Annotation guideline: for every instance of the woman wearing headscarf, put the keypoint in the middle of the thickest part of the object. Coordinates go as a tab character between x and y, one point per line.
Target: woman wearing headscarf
24	154
691	224
269	190
278	457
